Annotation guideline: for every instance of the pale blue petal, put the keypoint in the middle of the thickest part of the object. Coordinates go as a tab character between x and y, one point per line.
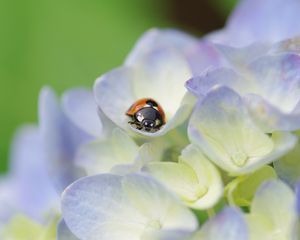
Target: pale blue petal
91	202
60	140
114	94
275	76
228	224
161	38
256	20
268	117
291	45
8	200
200	86
22	192
298	198
29	163
116	207
264	83
80	107
288	167
63	232
240	57
199	54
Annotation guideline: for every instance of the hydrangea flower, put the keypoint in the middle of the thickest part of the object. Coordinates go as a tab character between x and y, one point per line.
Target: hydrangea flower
219	150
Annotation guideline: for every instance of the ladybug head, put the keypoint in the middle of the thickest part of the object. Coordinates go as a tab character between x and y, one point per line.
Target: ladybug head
151	103
148	124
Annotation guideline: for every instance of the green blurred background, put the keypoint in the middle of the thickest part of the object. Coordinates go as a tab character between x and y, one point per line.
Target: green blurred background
68	43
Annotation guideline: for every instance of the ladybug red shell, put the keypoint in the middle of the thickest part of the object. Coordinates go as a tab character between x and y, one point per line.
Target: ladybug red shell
147	115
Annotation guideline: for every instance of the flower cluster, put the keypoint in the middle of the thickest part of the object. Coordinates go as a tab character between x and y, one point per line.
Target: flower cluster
189	139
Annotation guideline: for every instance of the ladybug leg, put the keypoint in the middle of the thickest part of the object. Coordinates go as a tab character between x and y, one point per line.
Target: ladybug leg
155	129
136	125
148	129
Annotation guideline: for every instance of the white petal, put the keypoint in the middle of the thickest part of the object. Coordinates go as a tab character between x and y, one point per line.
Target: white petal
179	177
283	143
114	94
194	179
103	155
161	75
274	206
167	235
207	174
240	191
166	148
146	195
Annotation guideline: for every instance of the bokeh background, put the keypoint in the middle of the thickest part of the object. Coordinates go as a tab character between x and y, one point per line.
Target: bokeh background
69	43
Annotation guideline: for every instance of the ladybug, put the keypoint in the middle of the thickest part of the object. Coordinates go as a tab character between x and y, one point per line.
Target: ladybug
147	115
